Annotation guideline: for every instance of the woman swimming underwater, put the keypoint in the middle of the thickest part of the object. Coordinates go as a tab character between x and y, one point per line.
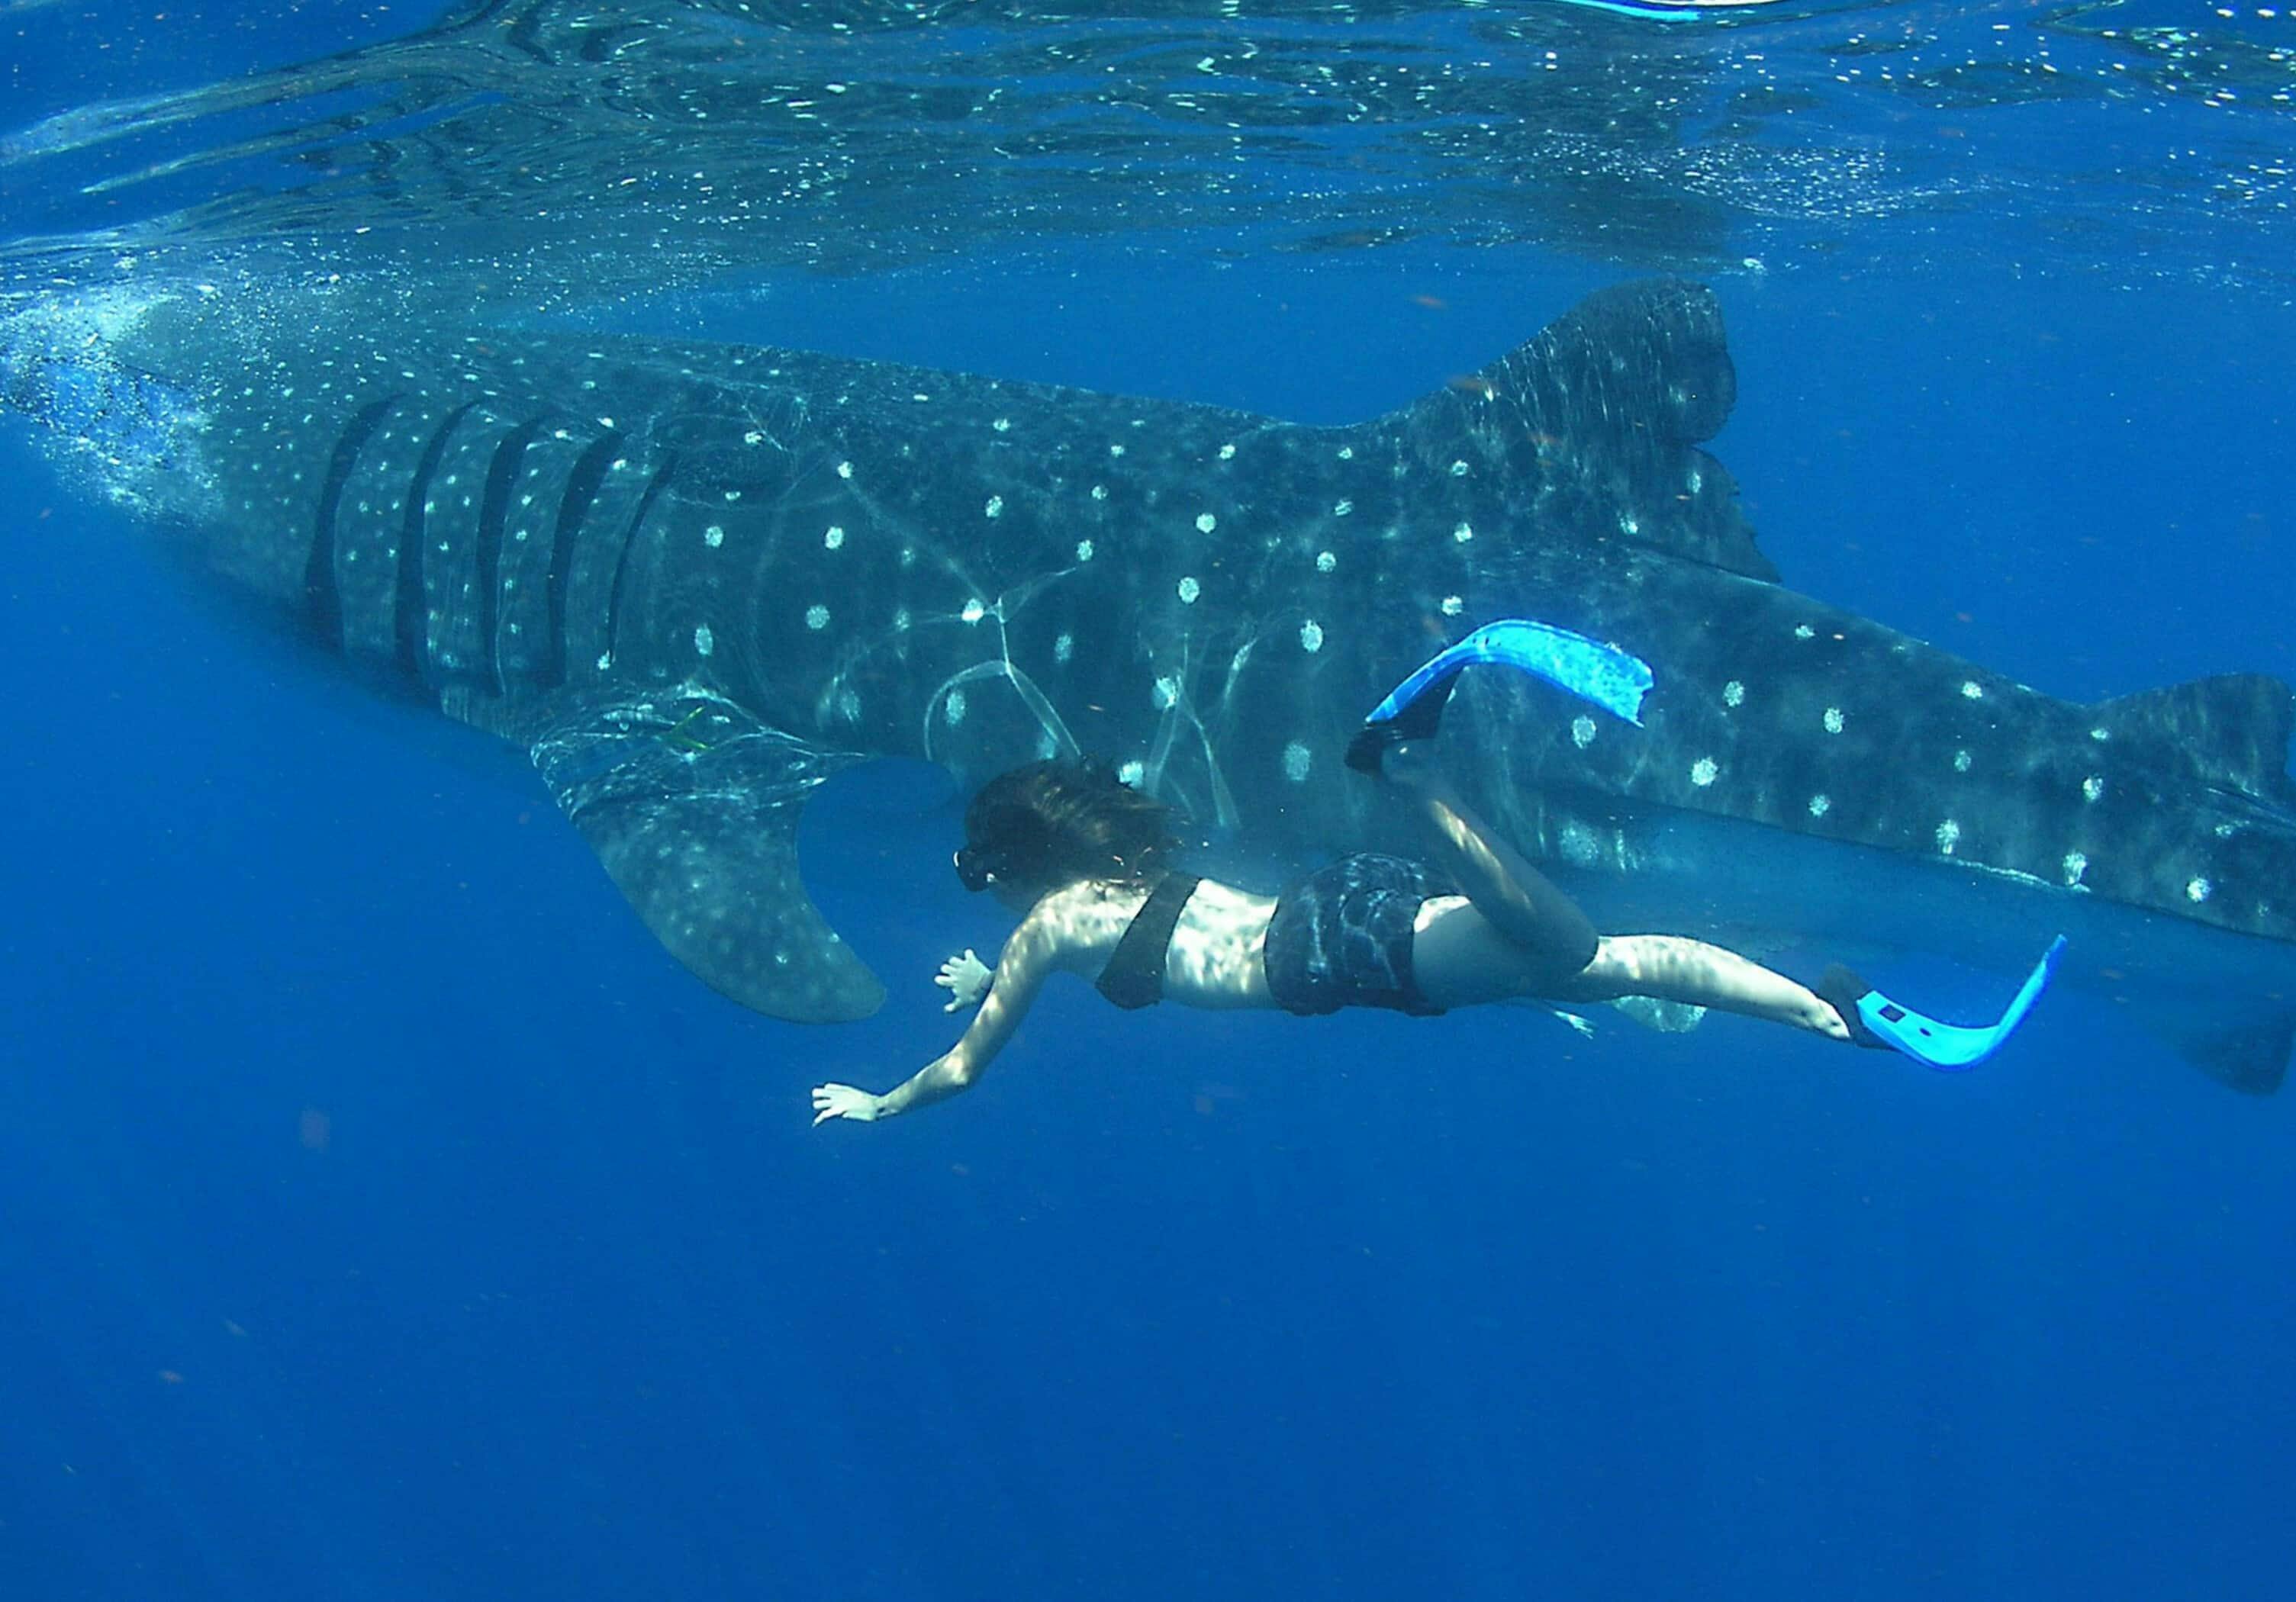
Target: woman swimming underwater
1089	863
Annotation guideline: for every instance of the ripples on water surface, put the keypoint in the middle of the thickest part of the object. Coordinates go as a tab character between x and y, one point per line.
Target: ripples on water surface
556	146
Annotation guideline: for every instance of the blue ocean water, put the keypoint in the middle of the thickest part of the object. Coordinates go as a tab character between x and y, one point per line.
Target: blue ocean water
383	1214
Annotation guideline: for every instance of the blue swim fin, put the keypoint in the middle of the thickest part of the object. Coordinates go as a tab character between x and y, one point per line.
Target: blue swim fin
1612	679
1875	1019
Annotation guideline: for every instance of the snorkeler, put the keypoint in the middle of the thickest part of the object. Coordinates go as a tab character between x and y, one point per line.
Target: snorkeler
1088	862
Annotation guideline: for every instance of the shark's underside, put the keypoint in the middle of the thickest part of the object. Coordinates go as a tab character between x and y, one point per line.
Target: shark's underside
694	580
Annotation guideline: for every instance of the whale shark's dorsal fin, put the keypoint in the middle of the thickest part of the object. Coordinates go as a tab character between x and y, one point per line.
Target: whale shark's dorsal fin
691	804
1595	424
2234	729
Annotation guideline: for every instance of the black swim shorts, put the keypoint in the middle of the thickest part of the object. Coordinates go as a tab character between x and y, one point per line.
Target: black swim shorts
1341	936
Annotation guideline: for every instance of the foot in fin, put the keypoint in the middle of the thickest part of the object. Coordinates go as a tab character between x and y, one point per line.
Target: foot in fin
1368	751
1878	1022
1612	679
1841	989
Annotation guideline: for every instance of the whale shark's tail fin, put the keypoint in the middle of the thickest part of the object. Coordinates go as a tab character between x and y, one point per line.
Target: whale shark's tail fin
691	806
1597	422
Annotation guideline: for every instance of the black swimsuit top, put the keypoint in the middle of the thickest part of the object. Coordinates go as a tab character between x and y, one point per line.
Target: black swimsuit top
1134	974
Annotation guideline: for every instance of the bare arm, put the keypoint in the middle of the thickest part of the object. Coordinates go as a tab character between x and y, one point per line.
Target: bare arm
1031	953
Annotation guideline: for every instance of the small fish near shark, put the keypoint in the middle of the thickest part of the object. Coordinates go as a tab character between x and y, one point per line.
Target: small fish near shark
693	581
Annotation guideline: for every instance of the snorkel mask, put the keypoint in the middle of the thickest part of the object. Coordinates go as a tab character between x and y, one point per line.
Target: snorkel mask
975	867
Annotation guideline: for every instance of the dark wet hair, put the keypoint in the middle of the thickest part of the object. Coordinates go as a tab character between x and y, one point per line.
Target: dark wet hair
1053	823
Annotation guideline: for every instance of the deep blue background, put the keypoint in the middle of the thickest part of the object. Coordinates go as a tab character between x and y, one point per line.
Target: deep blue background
382	1214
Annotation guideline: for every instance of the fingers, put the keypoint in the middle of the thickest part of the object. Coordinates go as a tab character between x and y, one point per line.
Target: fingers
842	1101
965	978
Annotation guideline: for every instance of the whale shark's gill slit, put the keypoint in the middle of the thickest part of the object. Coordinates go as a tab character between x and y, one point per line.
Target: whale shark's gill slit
630	541
494	513
411	603
582	486
323	595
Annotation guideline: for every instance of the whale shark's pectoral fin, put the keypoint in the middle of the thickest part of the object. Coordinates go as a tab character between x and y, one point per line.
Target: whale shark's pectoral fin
691	804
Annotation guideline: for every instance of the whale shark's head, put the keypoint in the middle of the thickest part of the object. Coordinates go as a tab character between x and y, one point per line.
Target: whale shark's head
129	436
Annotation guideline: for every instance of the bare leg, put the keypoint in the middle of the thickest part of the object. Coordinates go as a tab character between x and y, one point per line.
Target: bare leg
1674	967
1564	957
1556	939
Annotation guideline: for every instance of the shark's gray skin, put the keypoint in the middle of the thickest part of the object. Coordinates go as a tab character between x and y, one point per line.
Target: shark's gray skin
694	580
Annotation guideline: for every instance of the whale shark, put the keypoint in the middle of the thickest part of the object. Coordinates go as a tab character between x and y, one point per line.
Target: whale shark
692	581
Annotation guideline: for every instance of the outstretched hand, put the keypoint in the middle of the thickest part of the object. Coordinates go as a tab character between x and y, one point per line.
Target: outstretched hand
966	978
842	1101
